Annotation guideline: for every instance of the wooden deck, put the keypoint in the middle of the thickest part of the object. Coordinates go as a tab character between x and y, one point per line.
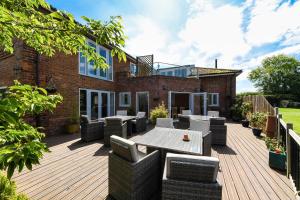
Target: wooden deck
76	170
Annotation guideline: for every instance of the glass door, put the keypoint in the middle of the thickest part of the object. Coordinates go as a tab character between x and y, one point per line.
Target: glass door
104	104
199	103
142	102
94	105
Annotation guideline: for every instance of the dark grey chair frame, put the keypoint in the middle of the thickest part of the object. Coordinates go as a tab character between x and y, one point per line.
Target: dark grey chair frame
91	129
174	189
134	181
183	122
139	125
114	127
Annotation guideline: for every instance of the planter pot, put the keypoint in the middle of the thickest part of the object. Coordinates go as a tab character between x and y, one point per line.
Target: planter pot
72	128
277	161
245	123
256	131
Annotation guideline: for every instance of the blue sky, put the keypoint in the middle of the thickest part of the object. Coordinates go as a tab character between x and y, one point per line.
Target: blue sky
238	33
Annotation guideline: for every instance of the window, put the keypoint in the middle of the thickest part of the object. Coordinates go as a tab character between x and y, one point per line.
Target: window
133	69
83	102
183	73
213	99
88	68
163	73
170	73
177	72
125	99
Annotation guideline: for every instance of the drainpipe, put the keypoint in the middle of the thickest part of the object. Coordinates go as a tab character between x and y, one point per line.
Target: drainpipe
37	83
216	63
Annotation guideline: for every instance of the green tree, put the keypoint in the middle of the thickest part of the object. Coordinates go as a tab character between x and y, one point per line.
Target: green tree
20	143
48	30
277	75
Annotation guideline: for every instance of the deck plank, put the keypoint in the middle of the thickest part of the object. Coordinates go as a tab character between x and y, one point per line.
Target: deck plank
76	170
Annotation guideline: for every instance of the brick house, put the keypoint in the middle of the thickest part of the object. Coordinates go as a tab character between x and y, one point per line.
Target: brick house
132	84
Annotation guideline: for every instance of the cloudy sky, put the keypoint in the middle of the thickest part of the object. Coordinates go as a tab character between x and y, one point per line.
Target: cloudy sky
238	33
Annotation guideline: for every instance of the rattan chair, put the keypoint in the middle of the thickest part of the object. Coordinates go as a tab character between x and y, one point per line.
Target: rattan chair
191	177
131	174
183	121
114	126
186	112
218	130
140	123
164	122
213	113
203	126
91	129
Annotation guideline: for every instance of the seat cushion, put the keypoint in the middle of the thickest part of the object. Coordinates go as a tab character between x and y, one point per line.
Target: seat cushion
193	168
140	114
124	148
186	112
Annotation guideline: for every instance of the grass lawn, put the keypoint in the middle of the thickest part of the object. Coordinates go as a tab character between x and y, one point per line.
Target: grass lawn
291	115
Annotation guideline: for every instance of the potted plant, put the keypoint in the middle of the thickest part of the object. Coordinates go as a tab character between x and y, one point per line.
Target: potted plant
257	121
72	125
158	112
277	155
246	108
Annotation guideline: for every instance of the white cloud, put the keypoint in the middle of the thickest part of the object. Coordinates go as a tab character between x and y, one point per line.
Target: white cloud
269	23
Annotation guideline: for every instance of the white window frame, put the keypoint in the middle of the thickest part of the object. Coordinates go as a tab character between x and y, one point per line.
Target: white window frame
98	70
120	99
131	64
212	103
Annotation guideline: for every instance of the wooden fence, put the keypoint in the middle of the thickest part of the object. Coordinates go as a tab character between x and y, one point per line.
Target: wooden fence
286	136
260	104
291	141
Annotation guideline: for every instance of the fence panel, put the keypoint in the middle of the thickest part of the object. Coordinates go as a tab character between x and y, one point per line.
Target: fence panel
260	104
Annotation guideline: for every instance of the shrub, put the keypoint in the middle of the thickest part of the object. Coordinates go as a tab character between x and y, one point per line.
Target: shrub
274	145
258	120
246	108
8	190
284	103
158	112
235	110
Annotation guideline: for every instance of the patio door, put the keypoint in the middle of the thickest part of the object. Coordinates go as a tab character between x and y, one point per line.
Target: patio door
199	103
96	104
142	102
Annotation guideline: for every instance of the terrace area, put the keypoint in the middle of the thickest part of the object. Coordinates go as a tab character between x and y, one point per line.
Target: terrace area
77	170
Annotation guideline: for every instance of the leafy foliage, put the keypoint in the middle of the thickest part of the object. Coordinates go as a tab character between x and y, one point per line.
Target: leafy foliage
246	109
258	120
277	75
8	190
48	30
274	145
158	112
20	143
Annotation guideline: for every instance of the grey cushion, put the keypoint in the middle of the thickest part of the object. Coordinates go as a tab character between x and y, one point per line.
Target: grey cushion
188	165
124	148
186	112
141	114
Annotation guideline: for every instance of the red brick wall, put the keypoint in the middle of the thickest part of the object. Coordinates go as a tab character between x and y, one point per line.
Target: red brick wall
64	72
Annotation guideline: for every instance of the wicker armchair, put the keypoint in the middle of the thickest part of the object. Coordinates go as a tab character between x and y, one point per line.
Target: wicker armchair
219	131
184	121
140	123
114	126
190	177
131	175
91	130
